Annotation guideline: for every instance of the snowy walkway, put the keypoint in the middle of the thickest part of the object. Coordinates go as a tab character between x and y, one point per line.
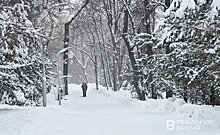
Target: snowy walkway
97	114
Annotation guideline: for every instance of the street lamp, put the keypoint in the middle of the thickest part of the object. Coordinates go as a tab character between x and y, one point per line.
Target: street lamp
64	16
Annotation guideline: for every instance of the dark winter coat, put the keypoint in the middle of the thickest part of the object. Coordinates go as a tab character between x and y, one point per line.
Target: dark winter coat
84	86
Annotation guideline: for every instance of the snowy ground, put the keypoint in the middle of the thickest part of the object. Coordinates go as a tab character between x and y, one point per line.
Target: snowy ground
108	113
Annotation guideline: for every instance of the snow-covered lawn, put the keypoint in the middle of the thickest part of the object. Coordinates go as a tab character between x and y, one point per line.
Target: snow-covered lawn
109	113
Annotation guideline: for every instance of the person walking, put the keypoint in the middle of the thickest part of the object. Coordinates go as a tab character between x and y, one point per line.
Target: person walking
84	88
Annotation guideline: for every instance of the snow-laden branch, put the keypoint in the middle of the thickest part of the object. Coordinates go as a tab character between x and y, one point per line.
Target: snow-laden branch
78	60
74	17
14	66
63	50
68	48
29	29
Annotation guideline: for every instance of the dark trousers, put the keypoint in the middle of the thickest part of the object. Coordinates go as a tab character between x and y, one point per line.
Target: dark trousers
84	93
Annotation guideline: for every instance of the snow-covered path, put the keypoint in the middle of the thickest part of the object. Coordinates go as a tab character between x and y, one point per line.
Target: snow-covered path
97	114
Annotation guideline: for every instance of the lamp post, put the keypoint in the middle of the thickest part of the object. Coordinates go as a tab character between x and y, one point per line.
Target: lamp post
59	83
44	87
44	80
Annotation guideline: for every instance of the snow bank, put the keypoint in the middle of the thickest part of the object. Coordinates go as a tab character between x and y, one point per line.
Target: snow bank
8	107
163	105
204	116
152	105
185	111
123	96
178	108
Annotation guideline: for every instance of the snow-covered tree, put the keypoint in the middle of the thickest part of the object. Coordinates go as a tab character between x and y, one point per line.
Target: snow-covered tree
20	55
192	65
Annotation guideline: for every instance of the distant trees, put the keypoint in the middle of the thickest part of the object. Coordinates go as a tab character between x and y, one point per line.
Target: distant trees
117	28
100	23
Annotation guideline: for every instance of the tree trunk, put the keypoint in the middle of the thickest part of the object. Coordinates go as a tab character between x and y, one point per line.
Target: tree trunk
149	51
169	93
104	70
103	51
108	67
185	95
131	56
212	96
120	66
114	73
96	72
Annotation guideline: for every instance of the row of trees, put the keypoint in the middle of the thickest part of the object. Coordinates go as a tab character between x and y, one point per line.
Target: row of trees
154	47
148	46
